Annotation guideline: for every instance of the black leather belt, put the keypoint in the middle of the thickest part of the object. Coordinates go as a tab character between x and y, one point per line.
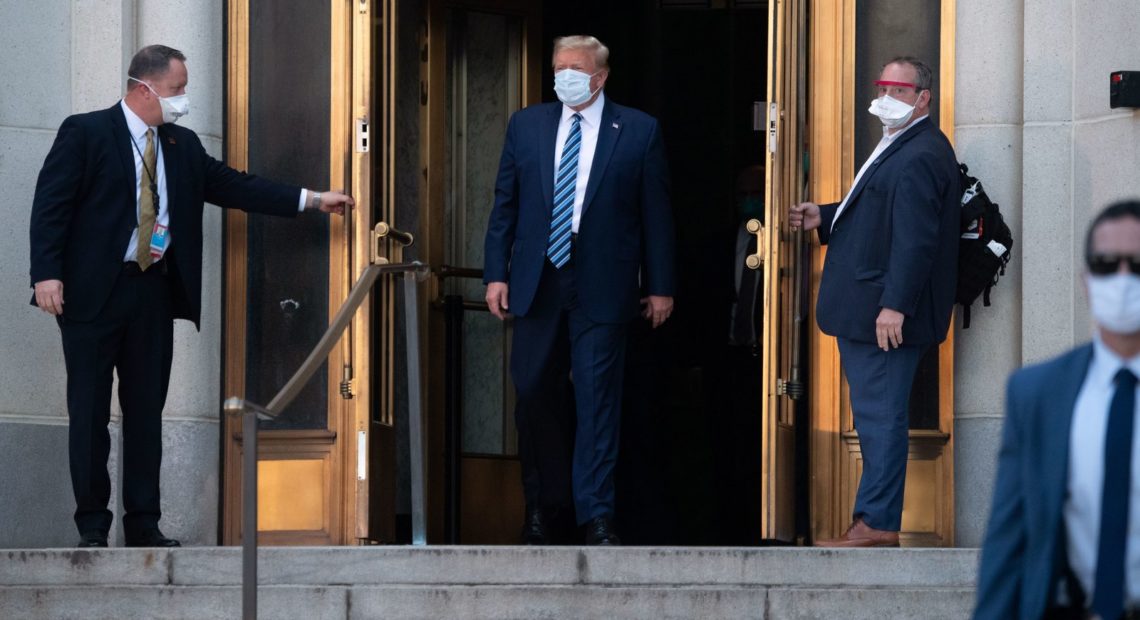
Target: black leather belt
132	268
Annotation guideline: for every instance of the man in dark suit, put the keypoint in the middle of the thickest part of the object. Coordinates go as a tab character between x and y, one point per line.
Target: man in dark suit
888	284
1062	539
581	223
116	256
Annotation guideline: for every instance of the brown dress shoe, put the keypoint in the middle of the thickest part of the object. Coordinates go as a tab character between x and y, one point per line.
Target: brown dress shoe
859	534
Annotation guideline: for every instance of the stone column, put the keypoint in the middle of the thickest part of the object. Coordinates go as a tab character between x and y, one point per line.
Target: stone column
62	58
988	138
190	471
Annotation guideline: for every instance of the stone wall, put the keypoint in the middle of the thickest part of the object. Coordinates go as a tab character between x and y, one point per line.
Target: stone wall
1033	122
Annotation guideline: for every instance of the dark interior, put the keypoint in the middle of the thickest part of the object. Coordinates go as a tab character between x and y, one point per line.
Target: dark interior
689	464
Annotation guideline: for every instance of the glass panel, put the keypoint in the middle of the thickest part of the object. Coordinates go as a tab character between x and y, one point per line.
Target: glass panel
885	29
483	77
288	259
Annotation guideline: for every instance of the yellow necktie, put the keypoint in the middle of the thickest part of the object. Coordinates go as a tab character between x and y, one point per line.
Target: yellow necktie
146	202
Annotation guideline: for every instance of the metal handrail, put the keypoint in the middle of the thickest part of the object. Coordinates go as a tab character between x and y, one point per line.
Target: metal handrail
250	412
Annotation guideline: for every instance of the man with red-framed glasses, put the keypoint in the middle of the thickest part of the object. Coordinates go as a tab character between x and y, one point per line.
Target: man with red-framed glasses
888	284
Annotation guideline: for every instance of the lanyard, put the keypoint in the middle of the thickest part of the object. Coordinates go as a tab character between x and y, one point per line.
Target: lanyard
149	173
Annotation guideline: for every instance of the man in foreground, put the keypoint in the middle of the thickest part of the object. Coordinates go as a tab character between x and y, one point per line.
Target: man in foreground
1063	540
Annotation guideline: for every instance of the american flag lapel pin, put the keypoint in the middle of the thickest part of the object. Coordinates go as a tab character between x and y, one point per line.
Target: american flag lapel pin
616	126
170	139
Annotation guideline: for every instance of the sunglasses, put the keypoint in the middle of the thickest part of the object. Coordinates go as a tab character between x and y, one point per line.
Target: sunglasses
1107	264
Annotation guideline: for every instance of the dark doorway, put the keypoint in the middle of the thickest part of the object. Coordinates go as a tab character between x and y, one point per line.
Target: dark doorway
690	460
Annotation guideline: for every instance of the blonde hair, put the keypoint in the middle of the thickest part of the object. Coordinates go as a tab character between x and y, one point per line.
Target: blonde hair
583	42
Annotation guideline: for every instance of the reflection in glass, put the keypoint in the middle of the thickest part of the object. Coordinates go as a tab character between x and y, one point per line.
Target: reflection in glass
288	259
483	90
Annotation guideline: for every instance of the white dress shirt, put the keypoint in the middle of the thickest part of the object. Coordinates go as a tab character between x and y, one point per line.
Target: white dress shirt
888	139
590	124
137	127
1086	474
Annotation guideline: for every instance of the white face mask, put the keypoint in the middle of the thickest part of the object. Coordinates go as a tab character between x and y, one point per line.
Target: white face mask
173	108
573	87
892	112
1115	301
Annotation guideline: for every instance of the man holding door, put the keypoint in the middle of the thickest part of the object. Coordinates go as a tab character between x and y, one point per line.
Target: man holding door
116	256
888	284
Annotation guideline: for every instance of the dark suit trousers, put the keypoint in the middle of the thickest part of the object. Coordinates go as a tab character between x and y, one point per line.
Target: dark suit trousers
553	340
133	335
880	383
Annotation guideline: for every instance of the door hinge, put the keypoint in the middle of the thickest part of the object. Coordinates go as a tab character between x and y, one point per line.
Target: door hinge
362	134
773	116
794	390
346	383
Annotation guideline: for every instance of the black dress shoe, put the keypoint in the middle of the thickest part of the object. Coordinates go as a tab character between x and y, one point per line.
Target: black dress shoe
151	538
92	539
534	528
600	532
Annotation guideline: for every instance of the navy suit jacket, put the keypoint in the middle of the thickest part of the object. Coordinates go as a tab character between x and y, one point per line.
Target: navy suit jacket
626	228
895	245
1021	557
85	209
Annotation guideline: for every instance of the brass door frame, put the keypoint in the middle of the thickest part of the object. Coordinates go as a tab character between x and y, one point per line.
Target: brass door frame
833	105
784	181
333	444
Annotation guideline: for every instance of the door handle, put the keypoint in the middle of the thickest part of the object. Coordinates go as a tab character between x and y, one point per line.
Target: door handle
754	261
383	230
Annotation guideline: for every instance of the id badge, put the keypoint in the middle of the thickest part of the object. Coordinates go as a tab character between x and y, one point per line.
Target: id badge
158	240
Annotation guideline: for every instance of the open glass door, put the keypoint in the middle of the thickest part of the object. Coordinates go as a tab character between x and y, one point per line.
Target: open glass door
298	100
783	267
482	65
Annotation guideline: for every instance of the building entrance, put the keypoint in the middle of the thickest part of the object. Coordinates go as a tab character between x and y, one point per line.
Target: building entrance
736	427
691	467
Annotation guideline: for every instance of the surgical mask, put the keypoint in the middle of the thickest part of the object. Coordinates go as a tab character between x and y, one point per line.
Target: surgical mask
173	108
573	87
1115	301
892	112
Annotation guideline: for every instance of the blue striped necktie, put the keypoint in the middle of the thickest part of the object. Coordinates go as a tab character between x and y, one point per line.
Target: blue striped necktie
1108	587
565	187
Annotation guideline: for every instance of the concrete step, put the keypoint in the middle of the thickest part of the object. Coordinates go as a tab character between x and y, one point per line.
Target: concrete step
491	582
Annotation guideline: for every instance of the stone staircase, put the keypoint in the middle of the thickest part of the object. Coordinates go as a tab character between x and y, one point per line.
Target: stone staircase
339	583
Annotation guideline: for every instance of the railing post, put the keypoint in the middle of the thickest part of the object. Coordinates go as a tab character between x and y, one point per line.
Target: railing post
249	515
250	412
415	410
453	425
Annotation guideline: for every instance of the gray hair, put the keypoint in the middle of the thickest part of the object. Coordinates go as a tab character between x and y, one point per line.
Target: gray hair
152	61
923	75
584	42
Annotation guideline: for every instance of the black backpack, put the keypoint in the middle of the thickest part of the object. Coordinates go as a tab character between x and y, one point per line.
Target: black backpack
984	247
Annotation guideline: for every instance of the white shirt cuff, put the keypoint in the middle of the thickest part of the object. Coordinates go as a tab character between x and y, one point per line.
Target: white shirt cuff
302	200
